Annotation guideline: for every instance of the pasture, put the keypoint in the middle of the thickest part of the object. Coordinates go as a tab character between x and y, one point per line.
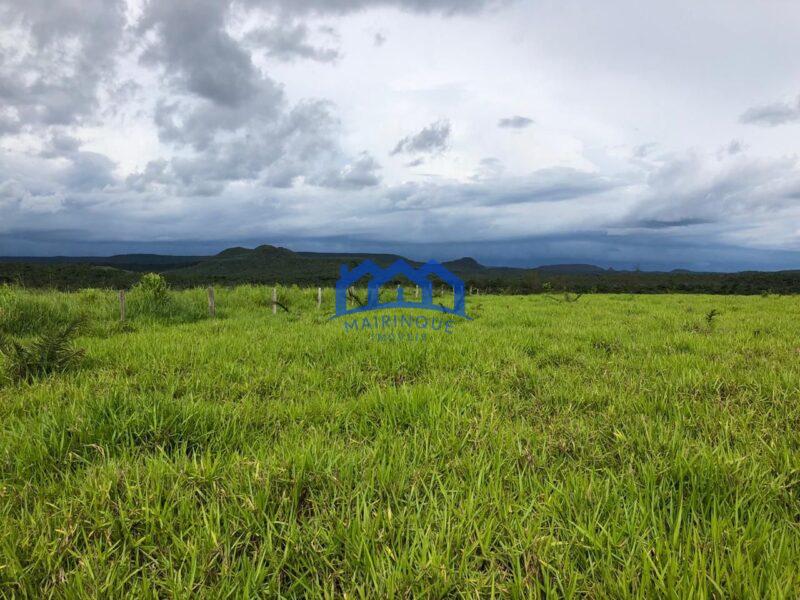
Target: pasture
615	446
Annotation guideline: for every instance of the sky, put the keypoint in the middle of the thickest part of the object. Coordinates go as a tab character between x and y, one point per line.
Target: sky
625	134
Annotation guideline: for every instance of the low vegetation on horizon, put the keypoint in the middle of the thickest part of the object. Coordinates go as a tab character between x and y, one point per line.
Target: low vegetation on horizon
273	265
556	445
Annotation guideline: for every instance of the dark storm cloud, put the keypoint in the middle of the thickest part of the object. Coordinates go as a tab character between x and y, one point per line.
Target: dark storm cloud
234	117
772	115
515	122
229	121
686	188
183	121
431	139
200	55
54	80
300	144
645	250
218	69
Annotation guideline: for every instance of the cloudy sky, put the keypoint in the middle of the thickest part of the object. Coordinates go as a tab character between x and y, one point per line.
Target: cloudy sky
621	133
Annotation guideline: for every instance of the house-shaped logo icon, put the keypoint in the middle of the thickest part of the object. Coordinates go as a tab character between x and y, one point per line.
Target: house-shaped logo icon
423	277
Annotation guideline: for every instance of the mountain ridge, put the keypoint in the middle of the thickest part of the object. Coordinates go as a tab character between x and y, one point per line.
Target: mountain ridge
269	264
141	261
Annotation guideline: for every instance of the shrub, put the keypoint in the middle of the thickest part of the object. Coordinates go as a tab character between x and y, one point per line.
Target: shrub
153	288
710	316
151	299
51	352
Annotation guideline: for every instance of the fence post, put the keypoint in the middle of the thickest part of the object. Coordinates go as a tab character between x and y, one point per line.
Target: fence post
212	305
319	298
416	294
122	306
274	300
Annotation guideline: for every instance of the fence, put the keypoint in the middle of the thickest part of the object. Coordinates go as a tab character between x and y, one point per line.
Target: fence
275	303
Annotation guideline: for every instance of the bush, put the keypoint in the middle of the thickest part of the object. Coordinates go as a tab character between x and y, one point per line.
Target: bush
153	288
152	299
50	352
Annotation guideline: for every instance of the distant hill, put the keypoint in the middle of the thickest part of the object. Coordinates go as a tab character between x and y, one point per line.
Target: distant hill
272	264
464	264
266	264
273	259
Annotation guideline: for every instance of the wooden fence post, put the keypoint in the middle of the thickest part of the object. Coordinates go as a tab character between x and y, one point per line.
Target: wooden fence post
274	300
122	306
319	298
212	305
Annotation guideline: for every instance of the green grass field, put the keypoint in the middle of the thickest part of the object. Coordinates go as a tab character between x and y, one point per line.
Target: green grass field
618	446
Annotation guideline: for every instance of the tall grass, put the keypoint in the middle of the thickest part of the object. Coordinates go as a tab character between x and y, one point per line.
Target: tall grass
28	312
619	446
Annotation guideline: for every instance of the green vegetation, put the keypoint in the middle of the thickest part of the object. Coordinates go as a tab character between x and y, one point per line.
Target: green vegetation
51	352
606	446
272	265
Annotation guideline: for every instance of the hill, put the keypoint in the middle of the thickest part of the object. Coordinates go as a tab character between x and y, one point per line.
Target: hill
268	264
264	264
